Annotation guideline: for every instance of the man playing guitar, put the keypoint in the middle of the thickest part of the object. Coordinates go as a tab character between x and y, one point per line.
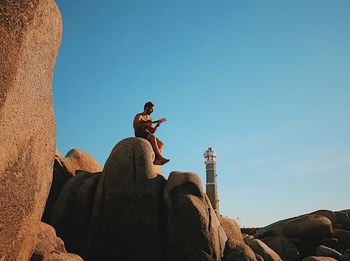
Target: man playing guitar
144	128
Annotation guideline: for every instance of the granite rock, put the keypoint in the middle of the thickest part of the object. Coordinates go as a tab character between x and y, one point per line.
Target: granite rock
30	35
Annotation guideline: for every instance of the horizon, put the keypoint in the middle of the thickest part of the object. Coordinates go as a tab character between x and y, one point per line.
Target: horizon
266	85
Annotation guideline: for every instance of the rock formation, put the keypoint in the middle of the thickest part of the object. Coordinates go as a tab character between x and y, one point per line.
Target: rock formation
65	168
49	247
77	160
127	218
193	229
30	35
309	237
72	210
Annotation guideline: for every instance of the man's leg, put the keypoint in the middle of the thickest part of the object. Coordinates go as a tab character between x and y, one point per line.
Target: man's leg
160	145
159	160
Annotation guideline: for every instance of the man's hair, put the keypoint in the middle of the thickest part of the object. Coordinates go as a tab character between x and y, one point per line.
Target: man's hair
148	104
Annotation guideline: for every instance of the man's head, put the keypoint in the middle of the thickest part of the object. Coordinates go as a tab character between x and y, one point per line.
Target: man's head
148	108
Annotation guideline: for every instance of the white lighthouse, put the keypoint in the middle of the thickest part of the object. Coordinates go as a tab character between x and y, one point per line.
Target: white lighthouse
211	190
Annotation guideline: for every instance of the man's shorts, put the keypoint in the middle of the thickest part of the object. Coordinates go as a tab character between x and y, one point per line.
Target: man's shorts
142	134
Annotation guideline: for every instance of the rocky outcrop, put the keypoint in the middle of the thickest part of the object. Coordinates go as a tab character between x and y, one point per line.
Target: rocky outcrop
284	247
308	235
72	210
231	229
263	250
327	251
65	168
343	237
30	35
77	160
238	251
49	247
127	219
193	229
311	226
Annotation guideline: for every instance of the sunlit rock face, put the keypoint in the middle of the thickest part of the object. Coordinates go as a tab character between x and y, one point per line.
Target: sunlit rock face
30	35
77	160
127	219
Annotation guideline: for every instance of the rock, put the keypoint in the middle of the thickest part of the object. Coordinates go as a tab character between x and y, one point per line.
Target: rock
49	247
343	219
259	257
284	247
246	238
327	251
343	237
249	230
346	255
58	153
318	258
77	160
238	251
305	247
47	241
331	243
30	35
59	256
307	227
60	177
303	227
347	211
193	229
71	213
328	214
127	221
263	250
231	229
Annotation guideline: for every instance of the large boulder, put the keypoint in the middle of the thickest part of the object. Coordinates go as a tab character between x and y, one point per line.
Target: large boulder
30	35
343	237
64	168
238	251
328	214
263	250
343	219
193	229
311	226
231	228
71	213
77	160
284	247
327	251
127	220
49	247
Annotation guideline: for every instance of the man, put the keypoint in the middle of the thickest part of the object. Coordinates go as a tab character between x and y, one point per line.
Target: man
143	126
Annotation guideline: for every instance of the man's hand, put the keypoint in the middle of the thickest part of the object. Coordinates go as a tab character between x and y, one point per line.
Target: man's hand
160	121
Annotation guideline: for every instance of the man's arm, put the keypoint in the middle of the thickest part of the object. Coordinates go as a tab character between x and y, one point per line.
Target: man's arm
152	129
140	124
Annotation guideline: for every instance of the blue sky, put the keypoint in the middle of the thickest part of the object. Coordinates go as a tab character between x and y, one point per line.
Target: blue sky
265	83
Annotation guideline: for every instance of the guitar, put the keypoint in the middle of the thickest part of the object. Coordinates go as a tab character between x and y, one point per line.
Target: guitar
160	121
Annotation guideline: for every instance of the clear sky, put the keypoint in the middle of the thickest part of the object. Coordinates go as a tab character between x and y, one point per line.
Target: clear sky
265	83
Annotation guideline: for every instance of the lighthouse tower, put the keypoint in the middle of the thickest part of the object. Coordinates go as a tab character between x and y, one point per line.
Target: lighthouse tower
211	191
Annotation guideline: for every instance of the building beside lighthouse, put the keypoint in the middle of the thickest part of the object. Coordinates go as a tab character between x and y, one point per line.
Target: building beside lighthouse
211	188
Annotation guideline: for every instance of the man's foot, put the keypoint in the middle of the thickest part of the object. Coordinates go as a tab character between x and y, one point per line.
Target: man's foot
161	161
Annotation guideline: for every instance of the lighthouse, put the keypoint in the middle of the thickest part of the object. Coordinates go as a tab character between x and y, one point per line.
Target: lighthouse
211	190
